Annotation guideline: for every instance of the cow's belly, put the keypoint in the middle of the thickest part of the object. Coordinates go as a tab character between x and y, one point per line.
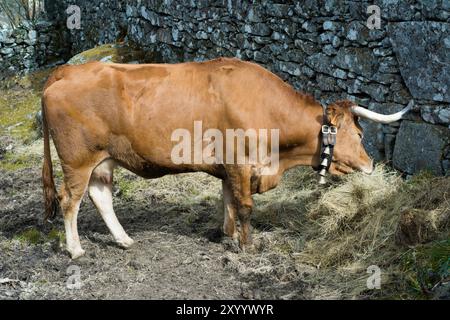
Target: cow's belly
152	162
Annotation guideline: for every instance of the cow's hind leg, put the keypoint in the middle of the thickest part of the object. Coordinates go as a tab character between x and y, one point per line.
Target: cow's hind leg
230	211
100	192
72	191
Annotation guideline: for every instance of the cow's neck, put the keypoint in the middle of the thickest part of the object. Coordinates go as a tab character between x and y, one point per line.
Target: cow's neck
300	126
300	137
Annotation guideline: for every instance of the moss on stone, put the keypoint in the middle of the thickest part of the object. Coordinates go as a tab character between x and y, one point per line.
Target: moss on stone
117	53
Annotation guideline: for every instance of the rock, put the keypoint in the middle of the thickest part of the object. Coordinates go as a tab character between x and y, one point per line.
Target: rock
308	26
201	35
37	123
436	114
358	60
446	166
150	16
32	35
326	37
420	146
131	11
290	67
326	83
425	66
4	34
358	32
306	47
329	50
339	73
307	71
6	51
377	92
43	25
373	139
330	25
258	29
336	42
442	291
389	143
319	62
114	53
254	14
277	10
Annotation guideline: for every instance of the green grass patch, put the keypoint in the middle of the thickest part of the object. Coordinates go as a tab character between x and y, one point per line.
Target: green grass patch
128	184
13	161
30	236
17	114
20	100
56	235
426	266
35	237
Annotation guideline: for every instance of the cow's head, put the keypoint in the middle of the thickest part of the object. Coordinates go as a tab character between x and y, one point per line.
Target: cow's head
349	153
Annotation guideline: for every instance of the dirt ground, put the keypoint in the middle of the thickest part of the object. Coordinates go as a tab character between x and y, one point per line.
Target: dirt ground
310	242
171	259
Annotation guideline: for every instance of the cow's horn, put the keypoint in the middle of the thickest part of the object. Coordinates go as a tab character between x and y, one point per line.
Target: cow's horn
378	117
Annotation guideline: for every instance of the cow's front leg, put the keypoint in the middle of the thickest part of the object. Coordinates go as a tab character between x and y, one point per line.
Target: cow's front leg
241	186
245	206
230	211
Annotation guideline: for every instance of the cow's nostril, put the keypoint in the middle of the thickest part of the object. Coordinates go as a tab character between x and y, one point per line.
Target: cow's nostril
369	169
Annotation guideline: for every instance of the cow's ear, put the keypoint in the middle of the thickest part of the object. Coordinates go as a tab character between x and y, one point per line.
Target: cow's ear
335	115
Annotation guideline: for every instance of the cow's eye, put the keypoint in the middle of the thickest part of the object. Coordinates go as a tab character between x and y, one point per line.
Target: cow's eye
361	136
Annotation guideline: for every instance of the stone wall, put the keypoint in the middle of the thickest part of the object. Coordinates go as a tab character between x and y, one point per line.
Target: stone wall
322	47
30	47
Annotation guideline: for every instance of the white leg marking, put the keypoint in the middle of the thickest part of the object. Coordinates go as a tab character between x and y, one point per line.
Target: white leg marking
72	238
101	195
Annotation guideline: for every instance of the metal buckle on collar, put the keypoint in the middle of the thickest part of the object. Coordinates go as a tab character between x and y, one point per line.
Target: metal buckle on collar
329	129
328	141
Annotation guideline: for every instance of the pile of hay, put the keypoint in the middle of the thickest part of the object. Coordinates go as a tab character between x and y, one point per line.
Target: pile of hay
359	221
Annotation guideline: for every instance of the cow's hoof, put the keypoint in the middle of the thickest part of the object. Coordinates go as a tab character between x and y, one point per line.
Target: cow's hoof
76	253
126	242
248	248
231	245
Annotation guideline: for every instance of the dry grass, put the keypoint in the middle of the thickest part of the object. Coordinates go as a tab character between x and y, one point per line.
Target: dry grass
358	221
335	232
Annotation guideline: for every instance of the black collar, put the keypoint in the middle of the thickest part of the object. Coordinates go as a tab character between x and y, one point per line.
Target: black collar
328	134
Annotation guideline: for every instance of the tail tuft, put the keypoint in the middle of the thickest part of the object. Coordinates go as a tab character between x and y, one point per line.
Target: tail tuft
50	194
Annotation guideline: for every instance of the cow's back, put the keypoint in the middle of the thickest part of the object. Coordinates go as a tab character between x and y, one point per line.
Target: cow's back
130	111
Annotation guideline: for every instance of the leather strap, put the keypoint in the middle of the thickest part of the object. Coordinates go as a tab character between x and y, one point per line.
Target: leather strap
329	133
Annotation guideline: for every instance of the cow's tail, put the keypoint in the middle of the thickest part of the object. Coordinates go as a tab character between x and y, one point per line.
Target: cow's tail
50	194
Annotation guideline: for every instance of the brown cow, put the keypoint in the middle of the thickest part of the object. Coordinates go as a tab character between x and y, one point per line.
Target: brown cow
103	115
